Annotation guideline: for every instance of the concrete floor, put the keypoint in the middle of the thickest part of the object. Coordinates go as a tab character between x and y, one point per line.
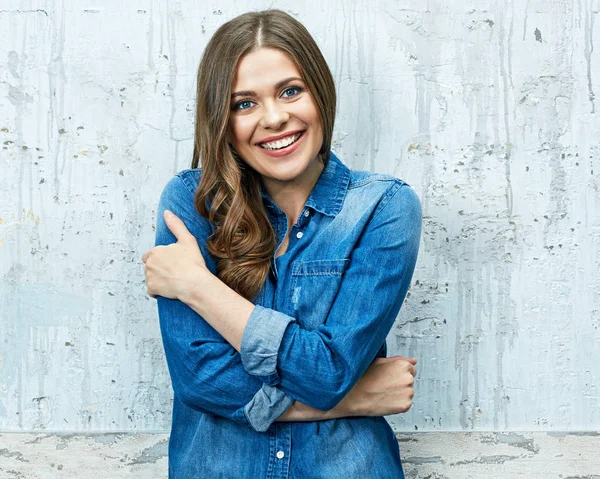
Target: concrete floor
447	455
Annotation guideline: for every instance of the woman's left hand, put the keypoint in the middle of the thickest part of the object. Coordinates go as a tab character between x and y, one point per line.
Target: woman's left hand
171	271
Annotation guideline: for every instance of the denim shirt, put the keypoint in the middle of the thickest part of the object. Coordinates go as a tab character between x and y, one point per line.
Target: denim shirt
320	319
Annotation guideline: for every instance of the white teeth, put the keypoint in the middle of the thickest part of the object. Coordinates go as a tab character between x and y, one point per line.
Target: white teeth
276	145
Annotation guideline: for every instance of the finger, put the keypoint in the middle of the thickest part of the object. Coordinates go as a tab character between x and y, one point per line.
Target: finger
412	361
177	227
152	295
413	371
145	256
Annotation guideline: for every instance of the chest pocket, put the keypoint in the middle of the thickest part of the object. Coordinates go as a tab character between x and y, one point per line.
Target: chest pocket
314	286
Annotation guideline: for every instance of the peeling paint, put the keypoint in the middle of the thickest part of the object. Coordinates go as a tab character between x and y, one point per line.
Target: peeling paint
12	454
152	454
512	439
421	460
495	459
574	434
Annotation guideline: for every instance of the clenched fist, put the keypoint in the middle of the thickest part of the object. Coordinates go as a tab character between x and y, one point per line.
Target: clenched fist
385	388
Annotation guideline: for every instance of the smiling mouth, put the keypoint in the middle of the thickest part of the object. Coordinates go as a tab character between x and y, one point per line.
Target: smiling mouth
282	143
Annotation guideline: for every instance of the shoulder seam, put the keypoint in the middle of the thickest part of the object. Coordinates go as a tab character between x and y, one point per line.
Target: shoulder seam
390	193
182	175
371	179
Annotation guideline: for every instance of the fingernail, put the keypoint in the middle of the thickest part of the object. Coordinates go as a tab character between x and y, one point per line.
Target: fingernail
168	213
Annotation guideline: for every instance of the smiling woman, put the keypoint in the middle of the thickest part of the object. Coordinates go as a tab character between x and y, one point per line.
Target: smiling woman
262	78
278	273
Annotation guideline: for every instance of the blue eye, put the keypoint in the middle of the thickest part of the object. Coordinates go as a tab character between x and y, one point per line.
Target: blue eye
242	105
294	89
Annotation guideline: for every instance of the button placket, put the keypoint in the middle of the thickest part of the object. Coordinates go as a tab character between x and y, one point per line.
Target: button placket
281	449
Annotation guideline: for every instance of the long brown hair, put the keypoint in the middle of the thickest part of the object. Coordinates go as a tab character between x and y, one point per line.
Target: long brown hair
228	195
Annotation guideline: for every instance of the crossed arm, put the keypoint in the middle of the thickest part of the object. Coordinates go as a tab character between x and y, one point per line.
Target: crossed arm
229	357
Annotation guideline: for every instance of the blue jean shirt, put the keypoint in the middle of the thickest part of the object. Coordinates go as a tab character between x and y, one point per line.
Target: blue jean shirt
319	321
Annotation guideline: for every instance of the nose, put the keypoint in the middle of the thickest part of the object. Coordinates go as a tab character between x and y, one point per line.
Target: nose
274	116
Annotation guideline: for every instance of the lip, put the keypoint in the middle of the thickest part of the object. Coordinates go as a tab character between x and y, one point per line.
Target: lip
288	150
279	137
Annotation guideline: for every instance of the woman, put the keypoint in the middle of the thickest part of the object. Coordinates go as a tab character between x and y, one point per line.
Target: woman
279	273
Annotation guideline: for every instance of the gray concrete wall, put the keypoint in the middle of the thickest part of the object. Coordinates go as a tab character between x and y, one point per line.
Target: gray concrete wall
487	108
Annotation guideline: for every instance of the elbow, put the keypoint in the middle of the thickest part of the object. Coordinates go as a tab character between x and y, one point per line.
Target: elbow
316	399
327	395
331	382
190	398
186	397
328	402
188	392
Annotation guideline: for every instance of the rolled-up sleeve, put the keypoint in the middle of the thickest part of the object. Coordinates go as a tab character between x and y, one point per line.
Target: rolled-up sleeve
206	371
261	340
319	367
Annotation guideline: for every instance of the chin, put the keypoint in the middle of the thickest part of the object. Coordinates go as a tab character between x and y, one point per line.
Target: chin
286	172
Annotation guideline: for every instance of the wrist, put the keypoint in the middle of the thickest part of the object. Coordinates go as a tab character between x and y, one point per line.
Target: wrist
353	403
345	408
301	412
191	291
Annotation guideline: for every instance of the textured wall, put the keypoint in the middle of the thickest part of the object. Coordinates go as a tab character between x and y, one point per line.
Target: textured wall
487	108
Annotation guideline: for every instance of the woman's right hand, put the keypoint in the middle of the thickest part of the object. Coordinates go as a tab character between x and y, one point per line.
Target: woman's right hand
385	388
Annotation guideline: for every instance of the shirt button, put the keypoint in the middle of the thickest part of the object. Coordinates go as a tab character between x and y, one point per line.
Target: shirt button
306	212
299	234
280	455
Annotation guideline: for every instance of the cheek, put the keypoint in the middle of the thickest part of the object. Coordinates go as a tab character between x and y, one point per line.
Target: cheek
311	116
238	132
311	110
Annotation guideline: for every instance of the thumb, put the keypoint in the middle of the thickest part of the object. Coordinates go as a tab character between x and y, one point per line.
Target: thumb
412	361
177	227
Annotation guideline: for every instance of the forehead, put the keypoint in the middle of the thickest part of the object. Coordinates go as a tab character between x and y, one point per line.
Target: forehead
263	68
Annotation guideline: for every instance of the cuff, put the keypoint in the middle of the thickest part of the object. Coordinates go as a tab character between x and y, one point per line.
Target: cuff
266	406
260	343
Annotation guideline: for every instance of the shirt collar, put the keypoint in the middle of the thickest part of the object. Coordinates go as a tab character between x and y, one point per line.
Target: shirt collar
327	196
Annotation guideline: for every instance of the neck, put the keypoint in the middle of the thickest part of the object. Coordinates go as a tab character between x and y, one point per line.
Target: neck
290	196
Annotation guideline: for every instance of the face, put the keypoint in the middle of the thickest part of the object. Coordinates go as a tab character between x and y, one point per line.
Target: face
274	124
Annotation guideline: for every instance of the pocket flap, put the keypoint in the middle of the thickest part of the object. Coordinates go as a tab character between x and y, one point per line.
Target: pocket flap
320	267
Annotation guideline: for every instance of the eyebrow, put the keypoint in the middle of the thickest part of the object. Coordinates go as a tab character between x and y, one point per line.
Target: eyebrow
277	86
